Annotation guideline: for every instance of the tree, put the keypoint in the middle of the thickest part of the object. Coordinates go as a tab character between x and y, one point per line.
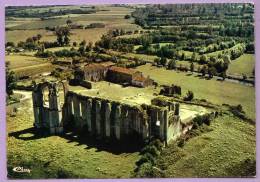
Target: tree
203	70
69	22
81	50
89	46
39	36
192	67
203	59
63	34
212	71
10	80
83	43
223	75
172	64
10	44
74	44
163	61
193	57
156	61
244	76
127	16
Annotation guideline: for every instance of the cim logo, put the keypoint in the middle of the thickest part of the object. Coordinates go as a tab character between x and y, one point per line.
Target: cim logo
21	170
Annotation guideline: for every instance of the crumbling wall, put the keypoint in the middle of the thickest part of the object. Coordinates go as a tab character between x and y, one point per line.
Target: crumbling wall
170	90
105	118
48	116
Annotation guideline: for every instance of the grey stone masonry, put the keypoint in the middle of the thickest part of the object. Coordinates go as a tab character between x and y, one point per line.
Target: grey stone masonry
102	117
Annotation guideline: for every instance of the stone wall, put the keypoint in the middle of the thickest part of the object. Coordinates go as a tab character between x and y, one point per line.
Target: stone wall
105	118
170	90
49	116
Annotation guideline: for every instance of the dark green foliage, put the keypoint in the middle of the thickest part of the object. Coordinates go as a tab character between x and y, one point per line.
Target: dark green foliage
192	67
181	142
151	149
203	119
10	80
189	96
145	166
238	111
63	34
127	16
45	54
67	53
172	64
9	44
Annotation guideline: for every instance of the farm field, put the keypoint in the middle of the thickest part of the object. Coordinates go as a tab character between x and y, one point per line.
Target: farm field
225	151
113	18
242	65
211	90
20	61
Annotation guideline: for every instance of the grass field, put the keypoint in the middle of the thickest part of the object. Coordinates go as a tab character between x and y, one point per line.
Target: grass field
228	150
19	61
218	92
24	65
59	157
242	65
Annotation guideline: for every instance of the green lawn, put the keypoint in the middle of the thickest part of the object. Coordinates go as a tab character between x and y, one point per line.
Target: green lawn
229	150
55	156
242	65
214	91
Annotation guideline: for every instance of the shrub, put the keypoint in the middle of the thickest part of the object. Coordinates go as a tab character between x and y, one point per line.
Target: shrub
200	119
127	16
151	149
189	96
147	157
45	54
181	142
158	144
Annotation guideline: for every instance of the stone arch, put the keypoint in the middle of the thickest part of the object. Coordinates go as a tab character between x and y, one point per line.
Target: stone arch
62	89
45	91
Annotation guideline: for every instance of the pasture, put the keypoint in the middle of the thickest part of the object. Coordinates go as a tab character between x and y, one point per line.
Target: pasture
242	65
212	90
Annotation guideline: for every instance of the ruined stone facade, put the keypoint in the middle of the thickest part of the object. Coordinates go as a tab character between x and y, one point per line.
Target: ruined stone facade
105	118
170	90
48	113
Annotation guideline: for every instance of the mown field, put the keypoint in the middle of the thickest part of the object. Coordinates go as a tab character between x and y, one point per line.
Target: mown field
62	157
242	65
227	151
218	92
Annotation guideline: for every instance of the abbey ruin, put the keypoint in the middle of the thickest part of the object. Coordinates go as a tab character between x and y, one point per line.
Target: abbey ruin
101	117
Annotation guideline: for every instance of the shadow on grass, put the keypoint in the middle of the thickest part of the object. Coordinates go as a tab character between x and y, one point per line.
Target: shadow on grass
32	132
126	145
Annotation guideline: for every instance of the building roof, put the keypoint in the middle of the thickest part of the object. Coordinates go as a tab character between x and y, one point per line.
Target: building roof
139	78
122	70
